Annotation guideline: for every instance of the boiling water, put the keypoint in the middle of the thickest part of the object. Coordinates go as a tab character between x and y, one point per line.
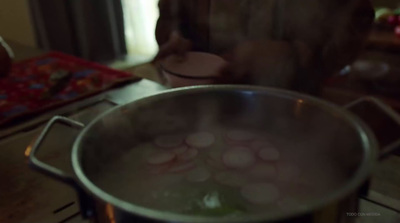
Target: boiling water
168	185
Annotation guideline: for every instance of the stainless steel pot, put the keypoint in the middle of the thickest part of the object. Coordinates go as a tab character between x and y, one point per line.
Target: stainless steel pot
292	116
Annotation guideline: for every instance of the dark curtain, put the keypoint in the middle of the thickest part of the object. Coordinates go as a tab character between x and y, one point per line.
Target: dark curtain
91	29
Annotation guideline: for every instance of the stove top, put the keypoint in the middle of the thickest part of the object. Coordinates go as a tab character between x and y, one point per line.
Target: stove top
32	197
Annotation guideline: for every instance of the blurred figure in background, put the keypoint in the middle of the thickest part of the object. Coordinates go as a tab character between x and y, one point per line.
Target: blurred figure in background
5	58
292	44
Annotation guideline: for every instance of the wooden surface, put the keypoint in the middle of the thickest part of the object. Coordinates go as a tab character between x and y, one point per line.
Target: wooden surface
28	196
385	185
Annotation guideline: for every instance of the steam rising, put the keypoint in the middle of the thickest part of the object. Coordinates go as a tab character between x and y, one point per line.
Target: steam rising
325	148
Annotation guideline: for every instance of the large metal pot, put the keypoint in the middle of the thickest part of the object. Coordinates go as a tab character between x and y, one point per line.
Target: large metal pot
305	120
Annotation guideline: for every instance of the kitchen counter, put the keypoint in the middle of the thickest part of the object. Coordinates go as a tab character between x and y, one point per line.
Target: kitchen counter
32	197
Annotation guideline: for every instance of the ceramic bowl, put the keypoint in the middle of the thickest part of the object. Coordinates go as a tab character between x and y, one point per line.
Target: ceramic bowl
196	68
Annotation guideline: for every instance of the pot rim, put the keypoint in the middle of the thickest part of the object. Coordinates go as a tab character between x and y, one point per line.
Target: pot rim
367	138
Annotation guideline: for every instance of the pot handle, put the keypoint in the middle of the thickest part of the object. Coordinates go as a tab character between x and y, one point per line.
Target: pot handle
85	202
389	112
44	168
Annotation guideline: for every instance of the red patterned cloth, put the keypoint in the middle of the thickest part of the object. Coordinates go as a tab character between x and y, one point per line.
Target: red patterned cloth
53	80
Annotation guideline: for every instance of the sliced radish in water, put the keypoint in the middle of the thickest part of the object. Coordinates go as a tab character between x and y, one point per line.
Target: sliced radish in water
160	158
198	175
296	189
238	158
179	150
258	144
288	204
260	193
269	154
230	179
182	167
240	148
214	160
287	171
159	169
263	171
200	139
189	154
215	155
239	135
215	164
231	142
169	141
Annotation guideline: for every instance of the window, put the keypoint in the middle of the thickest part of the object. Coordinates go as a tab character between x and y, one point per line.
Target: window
140	17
